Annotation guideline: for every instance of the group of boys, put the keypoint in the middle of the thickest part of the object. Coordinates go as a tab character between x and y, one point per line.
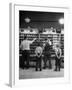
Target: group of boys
42	52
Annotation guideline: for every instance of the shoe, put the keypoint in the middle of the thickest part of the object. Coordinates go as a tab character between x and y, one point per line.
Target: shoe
44	67
50	67
36	70
55	70
40	69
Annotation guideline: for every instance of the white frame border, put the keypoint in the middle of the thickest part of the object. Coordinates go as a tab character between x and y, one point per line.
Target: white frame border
14	37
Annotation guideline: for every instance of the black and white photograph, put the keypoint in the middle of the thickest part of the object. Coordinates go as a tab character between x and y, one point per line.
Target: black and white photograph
41	44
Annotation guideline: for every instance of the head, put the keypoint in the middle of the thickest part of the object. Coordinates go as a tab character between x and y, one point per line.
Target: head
55	46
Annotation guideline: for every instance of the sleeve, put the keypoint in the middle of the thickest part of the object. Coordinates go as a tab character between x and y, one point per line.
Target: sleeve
60	53
30	42
34	40
40	51
50	43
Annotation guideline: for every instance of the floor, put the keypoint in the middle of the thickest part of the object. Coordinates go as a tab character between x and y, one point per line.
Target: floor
45	73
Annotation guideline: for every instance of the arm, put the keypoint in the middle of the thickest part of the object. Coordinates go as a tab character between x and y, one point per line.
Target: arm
56	53
32	40
20	46
40	51
50	43
60	54
43	46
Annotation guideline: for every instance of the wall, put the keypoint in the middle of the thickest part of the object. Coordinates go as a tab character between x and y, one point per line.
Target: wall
4	45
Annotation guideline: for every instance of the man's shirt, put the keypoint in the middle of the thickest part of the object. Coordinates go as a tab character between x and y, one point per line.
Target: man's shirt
25	44
47	47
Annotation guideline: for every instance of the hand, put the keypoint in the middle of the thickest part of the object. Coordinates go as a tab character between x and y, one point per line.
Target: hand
35	39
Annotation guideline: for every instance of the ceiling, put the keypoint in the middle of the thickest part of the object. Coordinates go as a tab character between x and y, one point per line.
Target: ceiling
36	16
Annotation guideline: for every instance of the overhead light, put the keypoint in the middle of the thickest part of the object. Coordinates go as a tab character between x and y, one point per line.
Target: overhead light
61	21
27	20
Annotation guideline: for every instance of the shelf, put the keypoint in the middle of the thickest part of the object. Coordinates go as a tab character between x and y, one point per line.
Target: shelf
53	37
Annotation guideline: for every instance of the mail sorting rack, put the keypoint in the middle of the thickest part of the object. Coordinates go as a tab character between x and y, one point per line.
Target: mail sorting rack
55	38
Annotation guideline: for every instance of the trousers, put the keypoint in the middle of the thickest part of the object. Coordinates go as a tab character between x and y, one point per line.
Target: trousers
38	63
25	58
57	63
